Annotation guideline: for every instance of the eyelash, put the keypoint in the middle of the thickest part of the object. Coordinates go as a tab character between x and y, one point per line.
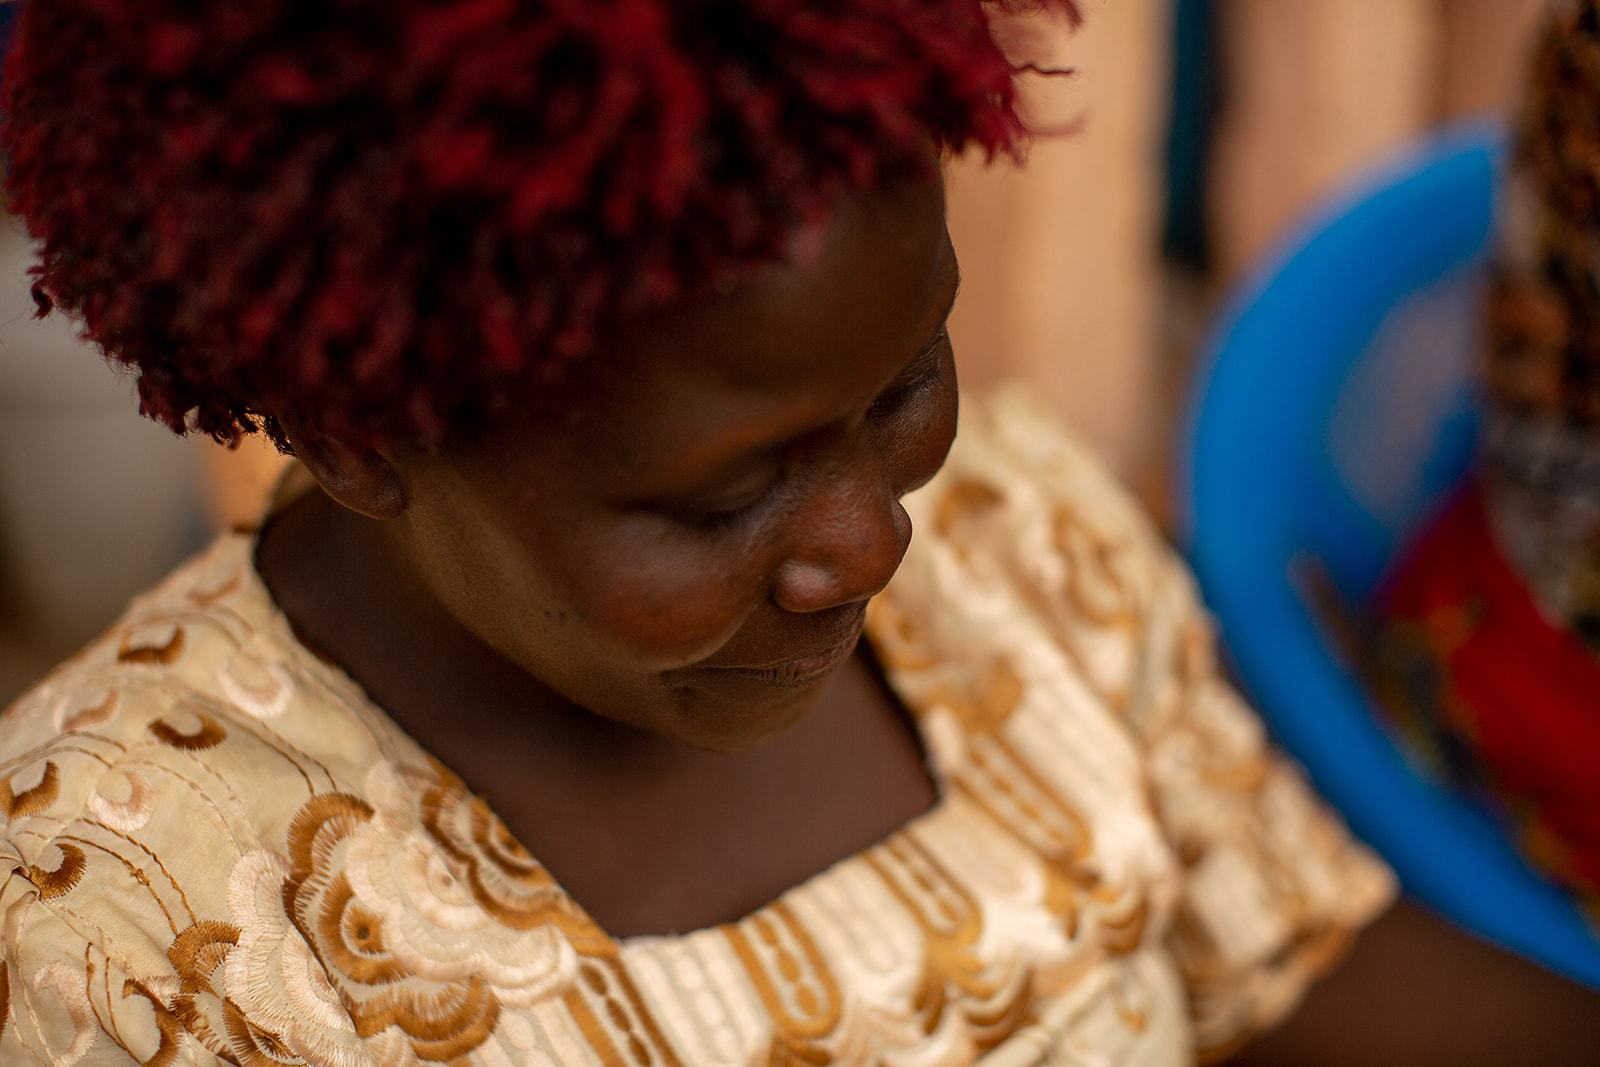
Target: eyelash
720	520
897	394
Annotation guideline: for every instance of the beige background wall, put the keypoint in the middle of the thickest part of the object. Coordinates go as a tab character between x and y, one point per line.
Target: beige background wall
1064	285
1317	89
1060	258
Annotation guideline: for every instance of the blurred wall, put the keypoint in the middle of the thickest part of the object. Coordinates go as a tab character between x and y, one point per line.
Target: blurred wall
1065	286
96	503
1061	258
1316	90
239	480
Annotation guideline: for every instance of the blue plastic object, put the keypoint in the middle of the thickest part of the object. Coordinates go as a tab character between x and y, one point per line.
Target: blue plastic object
1336	411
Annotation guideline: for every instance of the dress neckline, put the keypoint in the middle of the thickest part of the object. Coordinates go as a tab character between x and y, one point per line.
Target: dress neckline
355	698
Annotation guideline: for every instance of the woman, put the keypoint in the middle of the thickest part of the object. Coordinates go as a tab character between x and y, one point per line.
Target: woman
542	732
1488	643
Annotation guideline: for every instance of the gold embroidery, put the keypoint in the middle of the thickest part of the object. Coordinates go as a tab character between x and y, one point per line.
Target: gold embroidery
1122	931
71	988
986	706
965	498
1096	585
59	882
34	799
197	952
94	715
951	921
134	872
227	586
1005	786
1246	776
1130	999
168	1025
900	641
252	1045
351	937
963	507
1317	947
505	880
427	935
159	655
123	817
197	955
404	924
608	1009
441	1027
263	691
792	977
206	734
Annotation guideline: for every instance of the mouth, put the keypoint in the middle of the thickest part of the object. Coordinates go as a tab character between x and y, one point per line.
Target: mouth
804	670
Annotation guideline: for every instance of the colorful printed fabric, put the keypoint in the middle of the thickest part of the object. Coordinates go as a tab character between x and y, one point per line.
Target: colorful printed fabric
1489	642
1542	369
1504	700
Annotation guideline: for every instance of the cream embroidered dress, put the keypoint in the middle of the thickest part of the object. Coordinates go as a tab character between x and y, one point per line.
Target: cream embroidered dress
220	852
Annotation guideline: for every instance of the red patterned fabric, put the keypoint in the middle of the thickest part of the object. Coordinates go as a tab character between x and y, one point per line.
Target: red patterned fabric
1517	696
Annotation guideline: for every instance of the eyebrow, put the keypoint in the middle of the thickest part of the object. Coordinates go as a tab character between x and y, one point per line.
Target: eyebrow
955	290
758	453
949	305
735	465
933	338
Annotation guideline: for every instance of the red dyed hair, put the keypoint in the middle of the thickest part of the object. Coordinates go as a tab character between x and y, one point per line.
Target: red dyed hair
370	215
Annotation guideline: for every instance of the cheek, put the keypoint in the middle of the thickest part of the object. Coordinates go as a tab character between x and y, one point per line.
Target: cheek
657	598
563	592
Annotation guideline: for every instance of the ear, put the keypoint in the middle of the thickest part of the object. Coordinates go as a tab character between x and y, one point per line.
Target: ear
361	478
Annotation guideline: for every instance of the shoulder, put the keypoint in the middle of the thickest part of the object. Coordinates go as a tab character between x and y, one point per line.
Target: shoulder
1032	554
1010	441
185	706
215	842
1025	524
141	783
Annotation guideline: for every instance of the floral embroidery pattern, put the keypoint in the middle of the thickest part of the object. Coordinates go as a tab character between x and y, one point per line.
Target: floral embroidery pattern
428	917
221	853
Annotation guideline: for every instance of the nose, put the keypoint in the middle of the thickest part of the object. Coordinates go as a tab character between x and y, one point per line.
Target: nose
851	534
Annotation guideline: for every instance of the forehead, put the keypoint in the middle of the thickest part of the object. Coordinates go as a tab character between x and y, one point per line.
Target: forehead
793	346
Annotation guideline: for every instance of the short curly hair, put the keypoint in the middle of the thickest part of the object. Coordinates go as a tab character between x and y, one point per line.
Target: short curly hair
370	216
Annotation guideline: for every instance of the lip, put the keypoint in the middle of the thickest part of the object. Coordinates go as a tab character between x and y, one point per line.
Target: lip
803	670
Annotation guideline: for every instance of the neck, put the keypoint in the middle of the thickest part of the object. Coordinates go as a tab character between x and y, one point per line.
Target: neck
343	582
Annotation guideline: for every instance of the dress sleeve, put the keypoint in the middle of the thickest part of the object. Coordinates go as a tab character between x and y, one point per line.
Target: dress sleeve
1272	885
65	996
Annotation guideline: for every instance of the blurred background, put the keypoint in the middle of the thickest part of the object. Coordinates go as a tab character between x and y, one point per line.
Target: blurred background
1207	129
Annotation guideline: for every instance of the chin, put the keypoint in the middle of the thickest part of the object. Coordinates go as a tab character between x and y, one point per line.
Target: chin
742	721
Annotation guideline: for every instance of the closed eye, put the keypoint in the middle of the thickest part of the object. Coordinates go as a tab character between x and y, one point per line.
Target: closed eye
919	373
717	517
728	505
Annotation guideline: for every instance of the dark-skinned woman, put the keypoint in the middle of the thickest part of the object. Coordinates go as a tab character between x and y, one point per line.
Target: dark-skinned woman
585	698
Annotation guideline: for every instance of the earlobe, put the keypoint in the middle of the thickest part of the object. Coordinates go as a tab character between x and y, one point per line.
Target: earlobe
361	478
